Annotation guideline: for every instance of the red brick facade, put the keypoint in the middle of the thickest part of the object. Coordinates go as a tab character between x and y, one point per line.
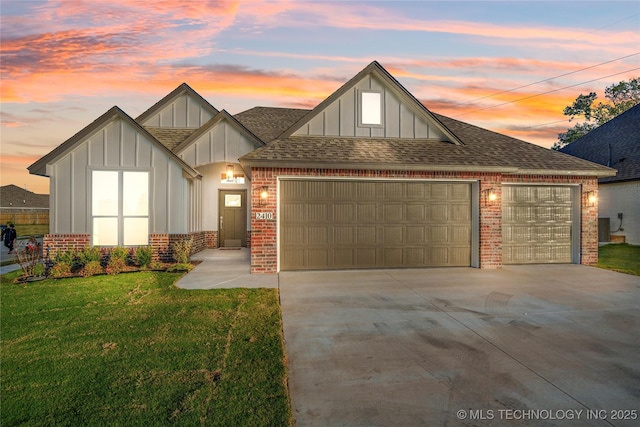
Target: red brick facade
53	243
264	245
161	243
262	238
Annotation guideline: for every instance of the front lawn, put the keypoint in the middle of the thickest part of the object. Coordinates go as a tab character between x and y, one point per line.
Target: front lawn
134	350
620	257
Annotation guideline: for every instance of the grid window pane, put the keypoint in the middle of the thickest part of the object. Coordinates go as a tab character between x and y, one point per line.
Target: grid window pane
105	232
136	231
104	190
135	197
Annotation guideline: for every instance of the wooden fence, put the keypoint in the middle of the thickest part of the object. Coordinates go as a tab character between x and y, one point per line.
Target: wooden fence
24	216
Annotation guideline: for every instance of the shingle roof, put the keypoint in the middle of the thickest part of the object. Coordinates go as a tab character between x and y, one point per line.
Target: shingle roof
483	150
16	197
622	134
269	122
170	137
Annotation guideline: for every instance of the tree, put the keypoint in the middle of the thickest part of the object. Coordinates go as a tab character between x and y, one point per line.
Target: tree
621	96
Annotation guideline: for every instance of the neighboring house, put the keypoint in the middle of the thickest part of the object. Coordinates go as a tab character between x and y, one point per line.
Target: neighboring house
616	144
370	178
21	206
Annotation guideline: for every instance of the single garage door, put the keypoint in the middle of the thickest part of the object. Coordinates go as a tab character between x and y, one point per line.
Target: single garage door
536	224
374	224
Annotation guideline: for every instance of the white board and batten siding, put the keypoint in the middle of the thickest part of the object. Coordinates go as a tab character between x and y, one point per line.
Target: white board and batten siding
183	112
117	146
210	153
399	120
222	143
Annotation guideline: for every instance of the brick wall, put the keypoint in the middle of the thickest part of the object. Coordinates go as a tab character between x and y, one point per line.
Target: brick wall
589	230
160	243
264	249
490	222
211	239
63	242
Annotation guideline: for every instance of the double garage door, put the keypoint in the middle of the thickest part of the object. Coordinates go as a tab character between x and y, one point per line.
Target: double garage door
374	224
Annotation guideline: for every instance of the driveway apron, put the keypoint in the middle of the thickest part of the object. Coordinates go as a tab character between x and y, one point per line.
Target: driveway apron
523	345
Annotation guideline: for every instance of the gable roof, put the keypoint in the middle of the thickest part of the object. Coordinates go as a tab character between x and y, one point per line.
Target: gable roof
180	90
480	150
40	166
16	197
170	137
616	143
269	122
378	70
221	116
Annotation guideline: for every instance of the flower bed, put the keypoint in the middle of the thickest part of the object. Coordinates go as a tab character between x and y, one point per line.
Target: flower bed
93	261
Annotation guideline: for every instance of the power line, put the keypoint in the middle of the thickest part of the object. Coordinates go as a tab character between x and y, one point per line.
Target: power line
550	78
546	124
546	93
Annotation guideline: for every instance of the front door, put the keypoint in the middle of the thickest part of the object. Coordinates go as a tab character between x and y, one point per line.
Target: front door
233	218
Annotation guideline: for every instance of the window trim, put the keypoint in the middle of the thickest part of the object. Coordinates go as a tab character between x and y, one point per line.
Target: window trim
360	94
120	217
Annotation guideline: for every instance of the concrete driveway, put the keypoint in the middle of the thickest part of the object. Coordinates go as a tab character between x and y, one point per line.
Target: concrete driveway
524	345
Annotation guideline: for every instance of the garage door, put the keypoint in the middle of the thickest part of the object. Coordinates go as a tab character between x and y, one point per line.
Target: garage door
536	224
374	224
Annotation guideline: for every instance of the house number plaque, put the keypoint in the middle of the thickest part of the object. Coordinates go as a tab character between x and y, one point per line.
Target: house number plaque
264	215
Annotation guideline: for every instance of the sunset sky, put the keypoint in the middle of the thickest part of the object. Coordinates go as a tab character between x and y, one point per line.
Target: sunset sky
66	62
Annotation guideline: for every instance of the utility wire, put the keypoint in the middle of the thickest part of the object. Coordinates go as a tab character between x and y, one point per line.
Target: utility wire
546	124
550	78
545	93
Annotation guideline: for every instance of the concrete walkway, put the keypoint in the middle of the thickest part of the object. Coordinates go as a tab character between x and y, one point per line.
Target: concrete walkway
462	346
6	256
225	268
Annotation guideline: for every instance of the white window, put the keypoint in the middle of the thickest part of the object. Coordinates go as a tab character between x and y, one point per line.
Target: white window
120	208
370	108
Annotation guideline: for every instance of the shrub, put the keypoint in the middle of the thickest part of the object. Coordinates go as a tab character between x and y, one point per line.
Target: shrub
68	257
182	251
60	269
119	253
116	265
89	254
180	267
28	255
38	270
157	265
92	268
143	256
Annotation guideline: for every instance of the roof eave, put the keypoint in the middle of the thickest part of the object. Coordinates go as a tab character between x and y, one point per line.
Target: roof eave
599	173
373	166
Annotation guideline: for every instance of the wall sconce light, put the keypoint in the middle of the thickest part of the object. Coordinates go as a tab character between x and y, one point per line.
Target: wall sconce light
264	194
592	199
229	172
490	195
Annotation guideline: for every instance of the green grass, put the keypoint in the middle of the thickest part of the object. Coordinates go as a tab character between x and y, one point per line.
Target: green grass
134	350
31	230
621	257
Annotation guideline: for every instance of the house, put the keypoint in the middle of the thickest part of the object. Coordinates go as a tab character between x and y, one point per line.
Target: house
21	206
615	144
370	178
